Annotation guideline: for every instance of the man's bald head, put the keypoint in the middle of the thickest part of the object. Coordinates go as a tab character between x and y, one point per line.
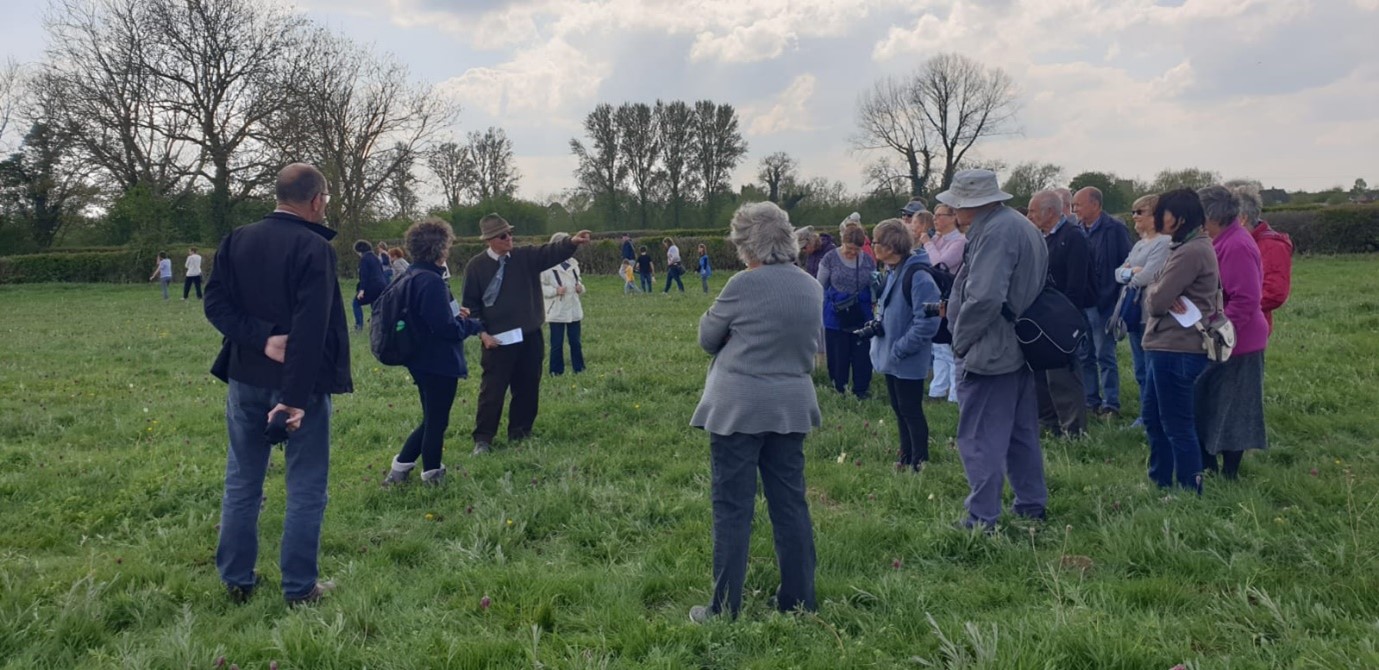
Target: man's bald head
1087	205
298	184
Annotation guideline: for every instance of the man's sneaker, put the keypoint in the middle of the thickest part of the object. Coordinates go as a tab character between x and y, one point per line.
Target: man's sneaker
700	614
317	592
434	477
395	478
240	594
480	448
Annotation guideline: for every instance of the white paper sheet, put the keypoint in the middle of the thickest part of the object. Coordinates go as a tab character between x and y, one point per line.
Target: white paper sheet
1190	317
508	337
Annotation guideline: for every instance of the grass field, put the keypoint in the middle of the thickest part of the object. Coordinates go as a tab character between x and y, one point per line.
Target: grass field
591	541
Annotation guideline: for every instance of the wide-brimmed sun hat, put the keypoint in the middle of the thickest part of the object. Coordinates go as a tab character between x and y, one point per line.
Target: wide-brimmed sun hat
973	188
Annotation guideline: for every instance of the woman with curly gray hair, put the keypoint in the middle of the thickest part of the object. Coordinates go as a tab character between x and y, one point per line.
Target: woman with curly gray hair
758	404
439	326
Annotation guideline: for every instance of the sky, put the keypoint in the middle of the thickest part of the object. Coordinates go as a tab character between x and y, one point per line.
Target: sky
1284	91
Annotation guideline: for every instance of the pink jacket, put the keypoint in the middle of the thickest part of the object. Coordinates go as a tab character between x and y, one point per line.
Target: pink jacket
1242	285
947	249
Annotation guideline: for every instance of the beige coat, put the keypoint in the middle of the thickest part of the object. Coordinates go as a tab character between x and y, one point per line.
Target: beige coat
563	308
1190	272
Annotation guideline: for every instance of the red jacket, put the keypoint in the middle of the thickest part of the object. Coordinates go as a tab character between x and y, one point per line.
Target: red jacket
1276	252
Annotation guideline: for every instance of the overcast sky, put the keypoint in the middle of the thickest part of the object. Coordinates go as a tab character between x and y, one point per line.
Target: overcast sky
1285	91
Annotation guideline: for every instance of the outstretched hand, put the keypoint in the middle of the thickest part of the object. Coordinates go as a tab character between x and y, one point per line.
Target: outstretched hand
580	238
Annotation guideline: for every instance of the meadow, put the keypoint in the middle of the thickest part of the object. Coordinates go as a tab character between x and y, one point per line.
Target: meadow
590	542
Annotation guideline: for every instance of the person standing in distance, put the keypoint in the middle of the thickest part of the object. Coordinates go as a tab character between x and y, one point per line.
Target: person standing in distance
275	297
502	289
193	274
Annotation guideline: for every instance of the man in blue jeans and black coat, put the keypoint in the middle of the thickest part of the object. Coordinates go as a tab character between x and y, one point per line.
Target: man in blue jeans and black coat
1109	240
275	297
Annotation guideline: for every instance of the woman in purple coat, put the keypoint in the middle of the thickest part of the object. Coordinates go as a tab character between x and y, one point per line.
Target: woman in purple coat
1230	395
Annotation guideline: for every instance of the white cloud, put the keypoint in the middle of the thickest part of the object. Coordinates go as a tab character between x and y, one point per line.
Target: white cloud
550	77
789	112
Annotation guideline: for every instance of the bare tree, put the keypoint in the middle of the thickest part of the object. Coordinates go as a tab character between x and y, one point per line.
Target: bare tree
401	185
674	131
886	179
11	89
639	148
453	166
889	119
962	102
98	91
777	170
493	174
718	148
361	119
1193	178
601	170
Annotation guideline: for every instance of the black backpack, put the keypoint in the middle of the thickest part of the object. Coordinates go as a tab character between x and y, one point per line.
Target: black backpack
944	278
392	337
1049	331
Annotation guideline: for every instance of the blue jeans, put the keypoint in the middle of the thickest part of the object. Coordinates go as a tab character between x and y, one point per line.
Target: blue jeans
1098	351
1135	334
1169	418
358	315
307	455
735	460
645	280
163	282
558	332
673	274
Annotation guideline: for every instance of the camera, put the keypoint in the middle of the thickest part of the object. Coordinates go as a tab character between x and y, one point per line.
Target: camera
870	329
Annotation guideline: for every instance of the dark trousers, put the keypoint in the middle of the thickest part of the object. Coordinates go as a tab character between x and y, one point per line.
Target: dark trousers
187	285
673	274
558	333
515	366
848	355
644	279
1229	467
735	460
907	401
358	315
1061	406
1169	418
428	440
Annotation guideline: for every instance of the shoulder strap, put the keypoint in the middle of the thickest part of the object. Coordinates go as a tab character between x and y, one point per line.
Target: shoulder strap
907	279
557	277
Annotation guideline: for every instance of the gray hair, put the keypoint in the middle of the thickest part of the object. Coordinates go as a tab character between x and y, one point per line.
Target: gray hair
1065	197
427	240
806	236
1251	204
559	237
893	235
1094	193
1046	201
1219	204
762	233
851	219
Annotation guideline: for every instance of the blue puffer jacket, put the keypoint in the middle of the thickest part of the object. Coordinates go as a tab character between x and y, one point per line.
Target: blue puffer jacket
905	348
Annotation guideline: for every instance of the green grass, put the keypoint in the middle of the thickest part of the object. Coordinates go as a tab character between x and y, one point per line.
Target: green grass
592	540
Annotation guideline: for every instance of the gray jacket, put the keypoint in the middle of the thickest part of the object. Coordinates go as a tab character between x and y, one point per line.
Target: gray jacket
1007	263
763	331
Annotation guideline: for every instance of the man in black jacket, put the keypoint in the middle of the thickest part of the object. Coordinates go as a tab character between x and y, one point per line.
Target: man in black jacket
1060	393
372	281
275	298
502	289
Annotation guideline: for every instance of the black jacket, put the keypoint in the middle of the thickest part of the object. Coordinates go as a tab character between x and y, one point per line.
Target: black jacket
1070	264
372	280
520	303
275	277
441	346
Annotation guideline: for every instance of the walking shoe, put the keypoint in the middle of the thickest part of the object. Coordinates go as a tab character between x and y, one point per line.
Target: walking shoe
480	448
700	614
434	477
395	478
240	594
314	596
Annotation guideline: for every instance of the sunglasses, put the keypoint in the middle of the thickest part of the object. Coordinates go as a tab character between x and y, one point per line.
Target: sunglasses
1139	212
502	236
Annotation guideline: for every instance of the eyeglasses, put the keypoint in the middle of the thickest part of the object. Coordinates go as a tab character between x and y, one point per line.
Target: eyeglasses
1139	212
906	215
503	236
325	198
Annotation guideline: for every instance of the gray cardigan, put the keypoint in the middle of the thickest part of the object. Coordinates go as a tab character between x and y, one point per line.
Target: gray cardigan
763	331
1007	263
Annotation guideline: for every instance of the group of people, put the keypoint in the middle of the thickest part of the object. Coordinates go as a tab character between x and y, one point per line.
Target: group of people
162	271
1205	265
638	264
952	278
275	297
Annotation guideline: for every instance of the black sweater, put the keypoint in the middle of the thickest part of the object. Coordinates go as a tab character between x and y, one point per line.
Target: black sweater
519	303
1070	264
277	277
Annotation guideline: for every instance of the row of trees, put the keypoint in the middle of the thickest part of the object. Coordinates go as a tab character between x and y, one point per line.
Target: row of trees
180	100
669	154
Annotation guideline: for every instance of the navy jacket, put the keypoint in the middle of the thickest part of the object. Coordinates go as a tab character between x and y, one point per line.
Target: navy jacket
372	280
1070	263
441	350
627	253
1110	243
276	277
